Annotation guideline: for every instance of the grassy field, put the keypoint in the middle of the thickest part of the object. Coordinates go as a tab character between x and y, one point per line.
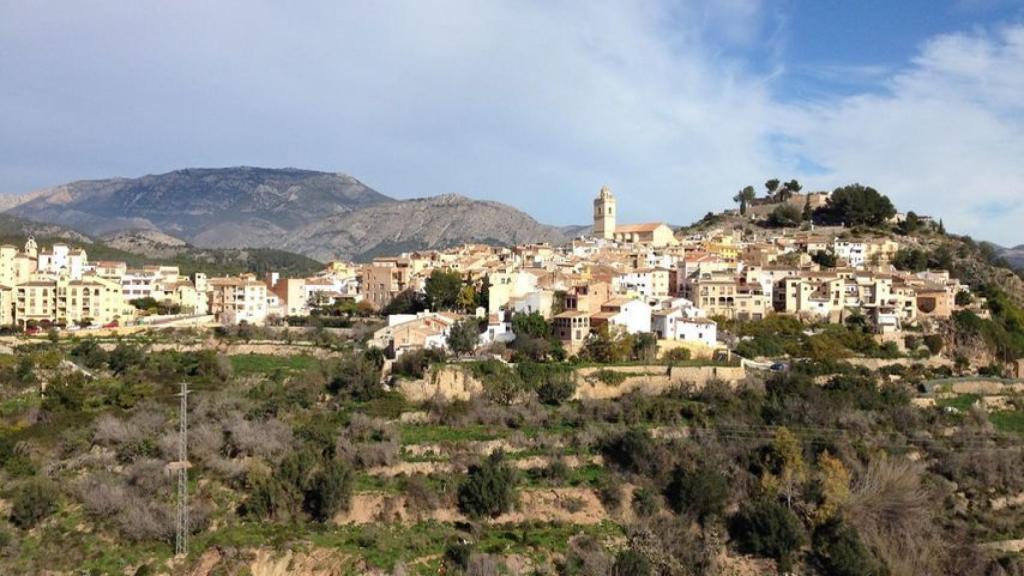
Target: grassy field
961	402
268	364
1008	421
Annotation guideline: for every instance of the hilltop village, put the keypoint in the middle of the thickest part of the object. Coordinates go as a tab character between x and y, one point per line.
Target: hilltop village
807	383
621	279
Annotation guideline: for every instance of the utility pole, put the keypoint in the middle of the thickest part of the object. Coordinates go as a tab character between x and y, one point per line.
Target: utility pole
181	538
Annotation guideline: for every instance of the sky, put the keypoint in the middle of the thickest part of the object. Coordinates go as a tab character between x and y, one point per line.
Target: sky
675	105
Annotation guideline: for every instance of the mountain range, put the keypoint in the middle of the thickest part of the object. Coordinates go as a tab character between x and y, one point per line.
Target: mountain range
1013	256
319	214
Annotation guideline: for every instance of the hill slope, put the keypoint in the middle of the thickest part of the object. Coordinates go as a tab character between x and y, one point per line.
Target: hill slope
208	207
421	223
318	214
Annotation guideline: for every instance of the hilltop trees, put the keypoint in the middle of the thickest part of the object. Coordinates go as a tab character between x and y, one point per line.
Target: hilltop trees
744	197
789	189
856	205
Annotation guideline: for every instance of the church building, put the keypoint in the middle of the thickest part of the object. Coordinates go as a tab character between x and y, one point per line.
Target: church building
656	234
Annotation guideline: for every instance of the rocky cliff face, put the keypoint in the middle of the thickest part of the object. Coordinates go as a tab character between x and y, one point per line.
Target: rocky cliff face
323	215
422	223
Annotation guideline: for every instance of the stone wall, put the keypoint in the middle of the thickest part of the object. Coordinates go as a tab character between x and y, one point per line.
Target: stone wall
452	383
653	379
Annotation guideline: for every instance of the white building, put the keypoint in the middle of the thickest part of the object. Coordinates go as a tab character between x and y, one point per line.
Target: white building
854	253
674	325
643	283
631	316
499	329
62	259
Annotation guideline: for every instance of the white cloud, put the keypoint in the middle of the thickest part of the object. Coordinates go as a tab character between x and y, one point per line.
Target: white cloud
945	138
533	103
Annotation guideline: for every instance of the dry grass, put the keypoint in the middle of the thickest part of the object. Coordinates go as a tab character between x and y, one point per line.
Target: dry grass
893	511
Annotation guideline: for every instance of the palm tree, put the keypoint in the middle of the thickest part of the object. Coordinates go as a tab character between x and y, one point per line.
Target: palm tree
744	197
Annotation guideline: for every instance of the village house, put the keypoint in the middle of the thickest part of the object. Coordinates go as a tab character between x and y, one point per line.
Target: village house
623	315
406	332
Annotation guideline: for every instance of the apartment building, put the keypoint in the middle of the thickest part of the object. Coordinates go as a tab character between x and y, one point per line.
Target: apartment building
90	300
234	300
384	279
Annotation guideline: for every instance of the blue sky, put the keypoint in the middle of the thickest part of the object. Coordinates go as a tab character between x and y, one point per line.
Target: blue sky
675	105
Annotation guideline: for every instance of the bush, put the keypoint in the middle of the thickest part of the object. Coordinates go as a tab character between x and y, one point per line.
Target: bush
825	259
702	492
356	376
33	501
784	216
645	502
934	343
331	490
557	386
633	450
89	354
489	489
631	563
676	355
840	552
66	392
768	529
414	363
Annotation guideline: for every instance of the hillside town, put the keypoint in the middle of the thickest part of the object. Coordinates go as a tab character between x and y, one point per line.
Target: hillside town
620	279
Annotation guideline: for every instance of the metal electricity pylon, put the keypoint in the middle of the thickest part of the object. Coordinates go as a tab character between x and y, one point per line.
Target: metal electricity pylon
181	537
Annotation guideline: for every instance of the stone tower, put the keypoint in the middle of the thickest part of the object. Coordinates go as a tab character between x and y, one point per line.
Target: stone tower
604	214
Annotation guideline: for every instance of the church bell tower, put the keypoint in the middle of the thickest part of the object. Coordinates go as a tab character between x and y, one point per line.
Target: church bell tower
604	214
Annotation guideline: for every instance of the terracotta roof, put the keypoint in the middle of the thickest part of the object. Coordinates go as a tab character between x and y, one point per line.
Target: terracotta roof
631	228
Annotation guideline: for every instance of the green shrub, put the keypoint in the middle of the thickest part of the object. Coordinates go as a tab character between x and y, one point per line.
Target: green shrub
676	355
645	502
490	488
33	501
357	377
611	377
702	491
557	387
631	563
768	529
633	450
331	490
457	554
840	552
934	343
65	392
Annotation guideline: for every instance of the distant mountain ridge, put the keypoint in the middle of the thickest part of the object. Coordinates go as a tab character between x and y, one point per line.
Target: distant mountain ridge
1014	256
320	214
